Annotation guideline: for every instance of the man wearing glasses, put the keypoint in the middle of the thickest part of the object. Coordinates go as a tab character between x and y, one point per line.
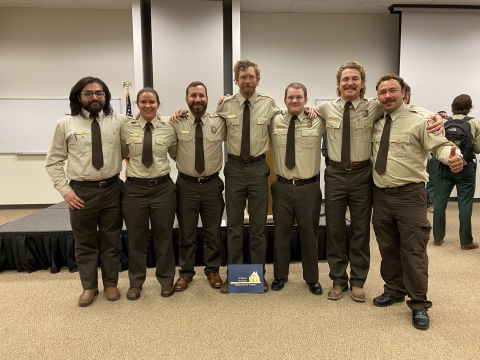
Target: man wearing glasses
248	115
89	139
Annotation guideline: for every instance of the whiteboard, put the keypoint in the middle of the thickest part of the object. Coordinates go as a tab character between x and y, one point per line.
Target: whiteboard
26	125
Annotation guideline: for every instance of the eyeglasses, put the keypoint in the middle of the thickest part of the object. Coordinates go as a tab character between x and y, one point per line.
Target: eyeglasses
250	77
89	94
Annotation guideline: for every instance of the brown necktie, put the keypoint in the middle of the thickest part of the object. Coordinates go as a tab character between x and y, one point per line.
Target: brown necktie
345	160
199	155
381	163
290	152
147	157
97	152
245	146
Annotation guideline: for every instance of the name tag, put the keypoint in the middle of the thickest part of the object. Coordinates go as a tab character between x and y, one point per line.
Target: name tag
184	132
332	118
231	116
134	135
81	132
280	127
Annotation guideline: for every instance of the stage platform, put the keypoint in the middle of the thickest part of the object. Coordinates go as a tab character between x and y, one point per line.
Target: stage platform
44	240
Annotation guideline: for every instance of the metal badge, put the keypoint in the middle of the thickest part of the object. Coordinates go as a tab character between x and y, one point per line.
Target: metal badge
365	113
214	129
309	124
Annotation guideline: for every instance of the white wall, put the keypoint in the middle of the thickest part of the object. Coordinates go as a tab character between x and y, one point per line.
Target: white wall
439	57
43	53
309	48
187	46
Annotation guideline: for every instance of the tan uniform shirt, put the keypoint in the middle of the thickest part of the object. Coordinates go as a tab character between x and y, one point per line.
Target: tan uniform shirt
164	140
72	141
262	111
308	136
408	150
475	126
214	133
363	115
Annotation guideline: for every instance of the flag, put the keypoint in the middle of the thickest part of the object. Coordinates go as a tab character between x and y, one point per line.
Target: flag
129	104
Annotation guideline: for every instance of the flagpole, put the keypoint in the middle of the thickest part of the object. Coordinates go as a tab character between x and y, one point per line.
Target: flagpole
128	111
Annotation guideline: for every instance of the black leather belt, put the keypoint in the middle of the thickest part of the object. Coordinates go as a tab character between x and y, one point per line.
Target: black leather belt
353	166
200	180
404	188
250	159
149	182
98	184
298	182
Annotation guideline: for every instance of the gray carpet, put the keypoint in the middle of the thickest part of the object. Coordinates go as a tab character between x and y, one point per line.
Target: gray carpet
40	318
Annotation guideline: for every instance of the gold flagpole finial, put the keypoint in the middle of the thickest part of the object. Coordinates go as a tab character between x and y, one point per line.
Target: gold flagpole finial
127	84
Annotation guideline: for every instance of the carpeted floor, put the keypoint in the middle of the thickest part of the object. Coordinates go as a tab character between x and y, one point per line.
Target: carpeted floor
41	320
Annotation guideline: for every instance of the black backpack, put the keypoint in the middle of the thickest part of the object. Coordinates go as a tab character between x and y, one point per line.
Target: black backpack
460	133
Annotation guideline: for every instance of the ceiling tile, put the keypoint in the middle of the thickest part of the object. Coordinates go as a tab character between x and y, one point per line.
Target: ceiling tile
50	4
328	7
107	4
265	5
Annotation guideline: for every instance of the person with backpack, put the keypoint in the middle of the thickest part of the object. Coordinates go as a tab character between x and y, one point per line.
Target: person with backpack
464	132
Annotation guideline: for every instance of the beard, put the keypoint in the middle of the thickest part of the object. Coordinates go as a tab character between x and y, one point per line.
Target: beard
93	106
197	109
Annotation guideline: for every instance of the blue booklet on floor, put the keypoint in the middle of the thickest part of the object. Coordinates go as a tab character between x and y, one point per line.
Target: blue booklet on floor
245	278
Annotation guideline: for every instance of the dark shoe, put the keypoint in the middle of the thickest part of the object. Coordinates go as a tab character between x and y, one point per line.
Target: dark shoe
438	243
315	288
182	283
470	246
133	293
336	292
420	319
265	285
387	299
278	285
358	294
214	280
112	293
167	291
87	297
224	287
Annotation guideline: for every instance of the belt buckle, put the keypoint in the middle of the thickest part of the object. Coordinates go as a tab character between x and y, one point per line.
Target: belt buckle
249	159
200	179
152	182
102	183
294	182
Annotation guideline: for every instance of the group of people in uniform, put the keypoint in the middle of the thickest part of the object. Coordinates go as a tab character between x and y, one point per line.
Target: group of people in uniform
377	151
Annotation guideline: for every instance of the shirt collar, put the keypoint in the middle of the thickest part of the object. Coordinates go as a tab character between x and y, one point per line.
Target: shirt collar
395	114
252	98
354	102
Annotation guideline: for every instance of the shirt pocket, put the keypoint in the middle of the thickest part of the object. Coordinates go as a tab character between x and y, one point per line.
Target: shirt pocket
161	148
80	143
334	131
280	137
309	139
399	145
233	126
135	145
363	130
214	137
263	122
185	137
